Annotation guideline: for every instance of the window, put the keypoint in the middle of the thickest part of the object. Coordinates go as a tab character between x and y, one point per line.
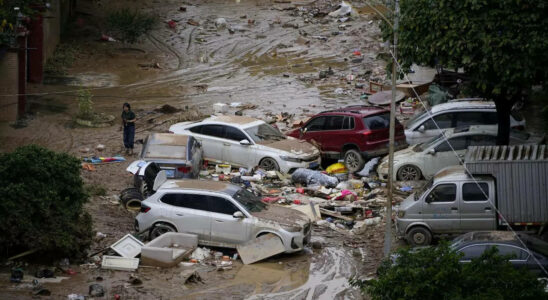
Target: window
473	251
221	205
443	121
515	252
192	201
458	143
348	123
264	133
334	123
196	129
376	122
316	124
482	140
476	118
234	134
443	193
213	130
473	192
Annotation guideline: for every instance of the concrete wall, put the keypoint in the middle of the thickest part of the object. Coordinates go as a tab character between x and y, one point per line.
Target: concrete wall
9	84
52	29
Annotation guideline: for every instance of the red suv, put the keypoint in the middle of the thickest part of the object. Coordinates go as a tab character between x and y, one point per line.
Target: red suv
355	133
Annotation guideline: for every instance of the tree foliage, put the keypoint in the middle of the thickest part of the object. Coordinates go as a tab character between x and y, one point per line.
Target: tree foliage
500	44
42	203
128	24
435	273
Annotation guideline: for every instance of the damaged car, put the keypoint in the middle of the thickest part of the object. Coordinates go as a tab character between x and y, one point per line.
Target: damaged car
248	142
426	159
220	214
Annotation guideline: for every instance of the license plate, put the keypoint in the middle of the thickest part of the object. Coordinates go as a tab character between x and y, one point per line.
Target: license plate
170	173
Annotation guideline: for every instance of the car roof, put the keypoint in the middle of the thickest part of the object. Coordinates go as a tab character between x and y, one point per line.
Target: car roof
470	103
200	185
360	110
238	121
455	173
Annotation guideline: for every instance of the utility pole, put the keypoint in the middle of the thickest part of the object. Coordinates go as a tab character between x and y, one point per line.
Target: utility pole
388	232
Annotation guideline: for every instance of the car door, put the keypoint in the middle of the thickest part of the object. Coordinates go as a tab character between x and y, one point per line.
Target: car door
211	138
235	153
441	209
332	136
189	212
443	156
224	227
519	256
313	131
476	211
428	129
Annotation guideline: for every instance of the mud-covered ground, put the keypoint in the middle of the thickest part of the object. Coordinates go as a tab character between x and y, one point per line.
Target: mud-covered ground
270	58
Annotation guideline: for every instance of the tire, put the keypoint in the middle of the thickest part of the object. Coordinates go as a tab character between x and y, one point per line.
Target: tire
419	236
269	164
131	200
159	229
353	160
409	173
125	192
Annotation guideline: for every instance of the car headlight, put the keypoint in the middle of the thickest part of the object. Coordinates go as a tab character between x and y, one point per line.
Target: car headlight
292	228
401	213
292	159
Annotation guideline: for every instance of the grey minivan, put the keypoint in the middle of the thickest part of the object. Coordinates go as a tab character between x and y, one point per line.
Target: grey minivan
450	203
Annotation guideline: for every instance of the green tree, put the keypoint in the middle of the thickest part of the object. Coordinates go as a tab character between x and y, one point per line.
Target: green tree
435	273
42	204
502	45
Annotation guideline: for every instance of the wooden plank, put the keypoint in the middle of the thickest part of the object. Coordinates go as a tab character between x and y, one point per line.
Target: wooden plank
260	248
334	214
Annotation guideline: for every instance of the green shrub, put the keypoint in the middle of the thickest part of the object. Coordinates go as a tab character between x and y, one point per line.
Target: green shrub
128	25
42	204
435	273
63	57
85	105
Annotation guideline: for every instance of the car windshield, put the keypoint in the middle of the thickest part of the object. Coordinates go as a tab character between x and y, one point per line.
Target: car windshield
424	188
264	133
423	146
414	119
251	202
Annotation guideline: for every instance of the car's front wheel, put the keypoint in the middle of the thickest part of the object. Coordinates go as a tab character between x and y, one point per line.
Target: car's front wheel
408	172
269	164
159	229
419	236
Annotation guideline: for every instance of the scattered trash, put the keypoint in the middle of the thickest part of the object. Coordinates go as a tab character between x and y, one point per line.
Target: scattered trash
220	23
406	188
168	249
191	276
107	38
103	160
45	273
96	290
368	167
223	169
260	248
16	275
336	168
311	177
119	263
344	10
128	246
172	24
193	23
200	254
220	108
76	297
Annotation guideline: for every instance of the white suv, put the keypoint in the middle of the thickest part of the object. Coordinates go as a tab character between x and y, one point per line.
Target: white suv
220	214
248	142
453	114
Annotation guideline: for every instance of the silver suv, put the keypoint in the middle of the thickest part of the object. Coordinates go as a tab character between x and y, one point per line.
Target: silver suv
221	214
453	114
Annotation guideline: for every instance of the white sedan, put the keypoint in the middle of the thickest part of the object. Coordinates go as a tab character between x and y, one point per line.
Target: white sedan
248	142
426	159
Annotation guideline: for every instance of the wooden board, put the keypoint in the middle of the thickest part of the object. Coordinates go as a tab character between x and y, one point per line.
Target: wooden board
260	248
334	214
385	97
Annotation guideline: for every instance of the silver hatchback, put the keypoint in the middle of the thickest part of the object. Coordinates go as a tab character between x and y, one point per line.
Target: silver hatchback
221	214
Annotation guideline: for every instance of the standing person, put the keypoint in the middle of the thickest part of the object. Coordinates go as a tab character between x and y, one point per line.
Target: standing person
128	123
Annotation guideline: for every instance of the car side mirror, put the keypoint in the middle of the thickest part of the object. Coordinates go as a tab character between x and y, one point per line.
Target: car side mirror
421	128
431	151
238	215
245	142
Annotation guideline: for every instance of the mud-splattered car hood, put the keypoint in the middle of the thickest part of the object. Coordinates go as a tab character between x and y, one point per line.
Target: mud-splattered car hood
282	216
294	146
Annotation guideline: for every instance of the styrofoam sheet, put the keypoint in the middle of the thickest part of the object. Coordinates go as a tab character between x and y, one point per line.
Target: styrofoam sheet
119	263
128	246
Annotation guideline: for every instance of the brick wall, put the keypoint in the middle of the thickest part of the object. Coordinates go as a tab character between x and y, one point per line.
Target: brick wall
8	85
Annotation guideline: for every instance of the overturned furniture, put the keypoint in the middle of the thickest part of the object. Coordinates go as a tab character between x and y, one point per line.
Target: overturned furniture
169	249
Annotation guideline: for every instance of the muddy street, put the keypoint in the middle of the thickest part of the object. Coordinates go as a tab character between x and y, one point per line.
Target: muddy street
264	62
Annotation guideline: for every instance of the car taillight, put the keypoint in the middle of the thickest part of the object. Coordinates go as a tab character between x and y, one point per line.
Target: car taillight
144	208
367	132
184	169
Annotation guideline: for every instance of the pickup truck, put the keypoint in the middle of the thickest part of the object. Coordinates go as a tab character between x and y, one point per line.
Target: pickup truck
505	186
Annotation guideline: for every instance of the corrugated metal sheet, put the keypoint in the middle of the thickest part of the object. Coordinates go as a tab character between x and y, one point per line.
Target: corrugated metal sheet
521	174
